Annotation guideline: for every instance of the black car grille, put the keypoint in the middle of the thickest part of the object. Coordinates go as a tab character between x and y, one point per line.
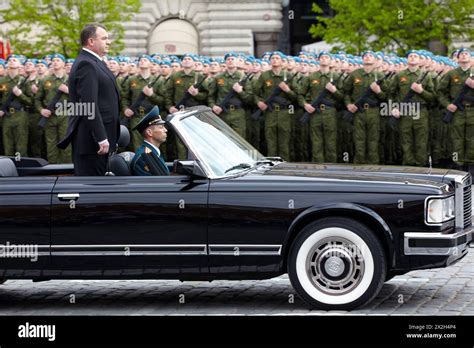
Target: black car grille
467	195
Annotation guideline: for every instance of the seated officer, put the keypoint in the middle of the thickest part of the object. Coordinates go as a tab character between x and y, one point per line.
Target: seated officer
147	160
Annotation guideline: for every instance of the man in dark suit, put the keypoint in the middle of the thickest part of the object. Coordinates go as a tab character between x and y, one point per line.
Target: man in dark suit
92	87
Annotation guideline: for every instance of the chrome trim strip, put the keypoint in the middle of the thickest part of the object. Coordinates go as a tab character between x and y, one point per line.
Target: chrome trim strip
245	249
68	195
129	250
436	251
459	201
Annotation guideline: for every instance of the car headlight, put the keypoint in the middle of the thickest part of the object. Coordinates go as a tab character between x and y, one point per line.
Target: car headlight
439	210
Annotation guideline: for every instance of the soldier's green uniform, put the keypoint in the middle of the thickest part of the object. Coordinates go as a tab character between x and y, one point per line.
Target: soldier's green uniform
277	122
15	122
35	133
366	121
462	127
176	86
220	86
345	143
438	129
56	126
132	89
414	128
299	131
254	127
389	142
323	122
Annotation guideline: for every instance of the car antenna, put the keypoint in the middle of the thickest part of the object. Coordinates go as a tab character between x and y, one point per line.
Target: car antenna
431	164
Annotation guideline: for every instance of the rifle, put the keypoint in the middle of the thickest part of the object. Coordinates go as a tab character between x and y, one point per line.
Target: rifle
229	96
317	101
11	96
273	97
449	115
182	102
125	121
349	116
51	106
392	122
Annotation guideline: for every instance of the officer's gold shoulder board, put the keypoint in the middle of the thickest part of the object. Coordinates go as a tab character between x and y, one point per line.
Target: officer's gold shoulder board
220	82
269	83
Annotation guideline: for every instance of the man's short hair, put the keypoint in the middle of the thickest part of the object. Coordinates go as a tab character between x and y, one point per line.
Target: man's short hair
89	31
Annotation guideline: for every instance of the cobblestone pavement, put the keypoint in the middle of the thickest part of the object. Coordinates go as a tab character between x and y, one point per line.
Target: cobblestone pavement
446	291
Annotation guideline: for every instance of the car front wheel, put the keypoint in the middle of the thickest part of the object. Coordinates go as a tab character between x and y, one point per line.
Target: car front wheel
336	263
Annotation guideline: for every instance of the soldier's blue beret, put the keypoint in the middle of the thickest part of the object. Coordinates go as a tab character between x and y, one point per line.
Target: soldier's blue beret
213	60
166	62
268	53
367	52
155	61
278	53
16	56
297	59
463	49
324	53
72	60
265	61
192	56
412	51
42	61
146	56
230	54
115	59
31	60
206	61
257	61
150	119
58	55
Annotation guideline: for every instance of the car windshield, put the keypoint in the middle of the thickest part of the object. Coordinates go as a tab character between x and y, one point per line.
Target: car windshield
219	148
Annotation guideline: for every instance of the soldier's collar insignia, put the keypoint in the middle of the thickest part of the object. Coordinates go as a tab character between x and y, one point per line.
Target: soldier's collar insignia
269	83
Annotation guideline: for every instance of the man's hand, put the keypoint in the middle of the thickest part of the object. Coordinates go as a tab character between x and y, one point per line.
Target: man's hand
34	89
309	108
396	113
452	107
16	91
193	91
64	88
375	88
128	112
148	91
417	87
352	108
1	113
45	113
470	82
284	87
173	109
262	106
330	87
217	109
237	87
103	148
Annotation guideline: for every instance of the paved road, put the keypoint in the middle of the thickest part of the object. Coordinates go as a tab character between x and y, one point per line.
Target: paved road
448	291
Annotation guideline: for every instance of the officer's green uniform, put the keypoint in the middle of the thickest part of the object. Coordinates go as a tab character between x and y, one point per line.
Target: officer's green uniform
277	122
414	128
35	133
323	122
176	87
132	89
462	127
367	120
300	131
220	86
56	126
345	143
15	122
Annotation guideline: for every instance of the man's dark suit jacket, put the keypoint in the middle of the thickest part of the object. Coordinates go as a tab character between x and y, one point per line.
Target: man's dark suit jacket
90	81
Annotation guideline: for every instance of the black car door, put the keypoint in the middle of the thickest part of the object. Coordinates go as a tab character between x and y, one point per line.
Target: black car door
25	204
146	225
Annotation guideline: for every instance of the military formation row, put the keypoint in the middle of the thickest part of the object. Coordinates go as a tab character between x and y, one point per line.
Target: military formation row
329	108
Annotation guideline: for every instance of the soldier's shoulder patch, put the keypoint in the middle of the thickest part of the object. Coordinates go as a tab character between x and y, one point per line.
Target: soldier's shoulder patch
315	82
269	83
220	82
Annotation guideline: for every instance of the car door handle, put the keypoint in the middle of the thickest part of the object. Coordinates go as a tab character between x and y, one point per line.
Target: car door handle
68	196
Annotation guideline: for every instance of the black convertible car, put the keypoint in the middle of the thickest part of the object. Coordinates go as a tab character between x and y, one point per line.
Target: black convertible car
227	212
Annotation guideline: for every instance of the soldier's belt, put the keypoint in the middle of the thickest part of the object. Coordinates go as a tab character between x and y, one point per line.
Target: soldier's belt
12	110
233	107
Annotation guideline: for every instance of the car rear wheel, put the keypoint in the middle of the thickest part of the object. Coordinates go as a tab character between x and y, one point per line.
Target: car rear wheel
336	263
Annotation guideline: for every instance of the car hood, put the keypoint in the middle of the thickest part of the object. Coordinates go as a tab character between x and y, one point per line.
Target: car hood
368	178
